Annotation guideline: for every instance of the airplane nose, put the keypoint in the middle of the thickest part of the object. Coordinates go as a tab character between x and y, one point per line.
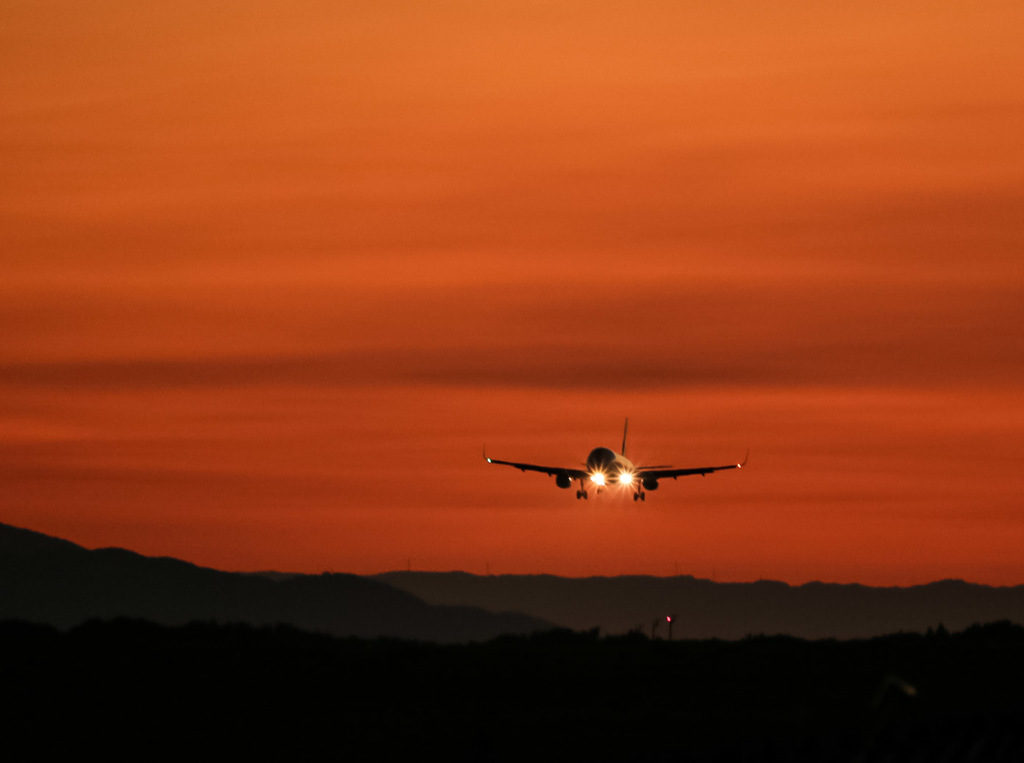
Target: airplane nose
600	459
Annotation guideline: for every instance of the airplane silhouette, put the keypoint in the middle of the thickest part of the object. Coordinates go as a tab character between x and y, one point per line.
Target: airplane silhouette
605	467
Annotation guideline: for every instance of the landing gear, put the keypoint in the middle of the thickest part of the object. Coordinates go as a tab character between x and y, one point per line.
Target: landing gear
639	496
581	494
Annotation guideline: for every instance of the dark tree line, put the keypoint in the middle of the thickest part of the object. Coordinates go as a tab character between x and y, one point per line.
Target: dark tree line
129	687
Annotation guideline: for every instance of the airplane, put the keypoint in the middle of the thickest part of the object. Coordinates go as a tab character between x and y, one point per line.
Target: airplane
605	467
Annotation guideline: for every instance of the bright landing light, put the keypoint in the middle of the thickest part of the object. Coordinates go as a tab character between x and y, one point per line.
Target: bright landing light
626	478
597	478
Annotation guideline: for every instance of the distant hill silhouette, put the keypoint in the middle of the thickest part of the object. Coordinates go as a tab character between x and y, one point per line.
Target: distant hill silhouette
49	580
706	609
53	581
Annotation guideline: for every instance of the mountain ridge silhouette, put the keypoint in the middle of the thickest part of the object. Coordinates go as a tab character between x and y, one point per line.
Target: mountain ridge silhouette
708	609
54	581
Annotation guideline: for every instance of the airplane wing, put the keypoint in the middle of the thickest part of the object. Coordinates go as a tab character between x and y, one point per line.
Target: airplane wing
660	473
554	471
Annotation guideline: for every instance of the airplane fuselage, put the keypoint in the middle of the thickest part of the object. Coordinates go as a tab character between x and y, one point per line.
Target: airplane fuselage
606	467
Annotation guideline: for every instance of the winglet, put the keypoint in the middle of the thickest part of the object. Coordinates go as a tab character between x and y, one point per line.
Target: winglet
485	454
744	462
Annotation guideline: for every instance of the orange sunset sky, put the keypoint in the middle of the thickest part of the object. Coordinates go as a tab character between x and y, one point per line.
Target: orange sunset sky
272	272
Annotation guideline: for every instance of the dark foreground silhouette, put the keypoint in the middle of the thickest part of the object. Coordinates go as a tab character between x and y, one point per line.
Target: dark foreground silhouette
129	688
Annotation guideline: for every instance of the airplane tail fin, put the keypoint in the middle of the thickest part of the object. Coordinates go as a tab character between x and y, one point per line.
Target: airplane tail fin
625	429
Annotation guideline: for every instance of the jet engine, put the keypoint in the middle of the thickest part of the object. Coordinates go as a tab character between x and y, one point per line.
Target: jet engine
650	483
563	480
